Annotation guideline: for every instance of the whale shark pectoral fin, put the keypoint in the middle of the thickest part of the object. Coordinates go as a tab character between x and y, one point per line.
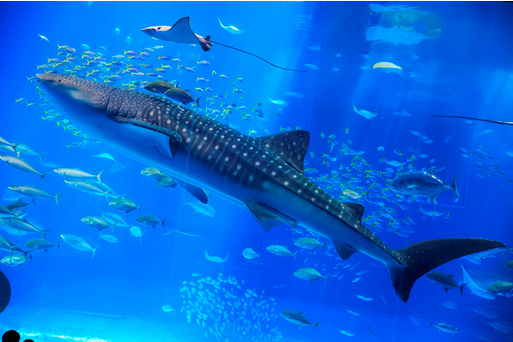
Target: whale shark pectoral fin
268	217
164	130
420	258
290	146
356	209
344	250
197	192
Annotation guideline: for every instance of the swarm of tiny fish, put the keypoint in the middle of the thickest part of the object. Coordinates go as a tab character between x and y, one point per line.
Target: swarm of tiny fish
229	311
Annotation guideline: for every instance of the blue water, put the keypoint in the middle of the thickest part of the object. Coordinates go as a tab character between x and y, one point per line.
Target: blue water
155	288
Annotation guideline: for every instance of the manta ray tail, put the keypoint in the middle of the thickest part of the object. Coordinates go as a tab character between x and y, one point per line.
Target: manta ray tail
249	53
420	258
484	120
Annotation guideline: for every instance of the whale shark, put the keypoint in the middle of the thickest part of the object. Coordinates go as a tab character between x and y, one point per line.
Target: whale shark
264	175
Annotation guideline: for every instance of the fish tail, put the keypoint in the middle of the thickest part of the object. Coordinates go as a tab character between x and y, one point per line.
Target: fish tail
43	175
140	208
422	257
317	325
94	250
98	177
163	221
294	255
461	288
197	101
57	197
326	278
430	324
40	154
44	233
454	187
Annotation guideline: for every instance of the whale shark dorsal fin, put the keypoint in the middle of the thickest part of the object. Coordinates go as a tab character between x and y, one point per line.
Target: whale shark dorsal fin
356	209
290	146
268	217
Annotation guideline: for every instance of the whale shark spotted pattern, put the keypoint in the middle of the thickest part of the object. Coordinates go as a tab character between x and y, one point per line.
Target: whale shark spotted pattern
263	175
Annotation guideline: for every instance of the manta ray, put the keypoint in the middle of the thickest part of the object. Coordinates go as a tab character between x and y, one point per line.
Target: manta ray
181	32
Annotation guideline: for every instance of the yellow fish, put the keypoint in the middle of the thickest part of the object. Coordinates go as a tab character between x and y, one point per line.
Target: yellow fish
388	67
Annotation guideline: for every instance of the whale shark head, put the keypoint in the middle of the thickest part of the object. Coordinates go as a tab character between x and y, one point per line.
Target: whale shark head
75	95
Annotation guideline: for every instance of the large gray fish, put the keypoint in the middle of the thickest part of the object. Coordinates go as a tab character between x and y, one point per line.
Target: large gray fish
422	183
445	281
298	319
263	175
22	165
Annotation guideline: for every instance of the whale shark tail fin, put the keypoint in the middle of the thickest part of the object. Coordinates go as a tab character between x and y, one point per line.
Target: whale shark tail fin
420	258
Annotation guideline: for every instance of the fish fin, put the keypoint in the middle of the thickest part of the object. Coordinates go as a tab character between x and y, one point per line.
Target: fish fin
94	250
197	192
356	209
461	288
290	146
220	23
56	198
317	324
40	154
44	233
170	133
98	177
454	187
344	250
268	217
43	175
422	257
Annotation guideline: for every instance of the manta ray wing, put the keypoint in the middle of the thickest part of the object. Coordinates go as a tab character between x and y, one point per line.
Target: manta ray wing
181	32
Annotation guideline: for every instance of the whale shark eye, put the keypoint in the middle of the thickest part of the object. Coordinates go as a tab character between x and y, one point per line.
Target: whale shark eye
59	79
158	28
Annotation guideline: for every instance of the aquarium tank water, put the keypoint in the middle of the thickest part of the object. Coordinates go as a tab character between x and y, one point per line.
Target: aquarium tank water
256	171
